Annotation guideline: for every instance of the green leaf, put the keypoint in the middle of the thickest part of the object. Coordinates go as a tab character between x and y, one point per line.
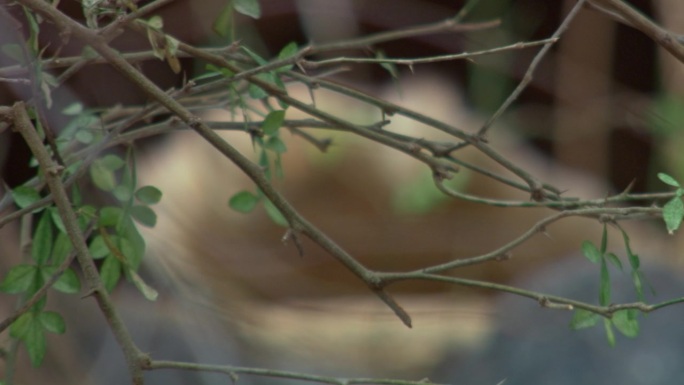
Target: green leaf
29	329
102	177
243	202
41	247
73	109
604	291
110	216
68	282
638	284
224	21
668	179
287	52
144	215
591	252
122	193
84	136
98	247
156	22
110	272
272	122
608	325
61	248
131	244
256	92
56	219
276	216
112	162
673	212
53	322
391	68
25	196
276	145
612	258
604	240
148	195
19	279
249	8
626	322
582	319
148	292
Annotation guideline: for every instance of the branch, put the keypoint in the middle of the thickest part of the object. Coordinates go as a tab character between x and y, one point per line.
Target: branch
52	172
253	171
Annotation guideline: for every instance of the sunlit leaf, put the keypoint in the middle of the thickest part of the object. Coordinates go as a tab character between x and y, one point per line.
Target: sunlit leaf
668	179
673	212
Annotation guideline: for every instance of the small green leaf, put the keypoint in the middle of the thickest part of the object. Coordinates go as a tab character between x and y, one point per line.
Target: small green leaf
73	109
604	240
110	216
98	247
626	322
391	68
243	202
224	21
144	215
637	280
110	272
591	252
122	193
609	332
156	22
131	244
249	8
148	292
673	212
68	282
668	179
272	122
102	177
604	291
56	219
276	216
582	319
148	195
258	59
29	329
112	162
19	279
53	322
25	196
41	247
256	92
287	52
85	136
276	145
612	258
61	248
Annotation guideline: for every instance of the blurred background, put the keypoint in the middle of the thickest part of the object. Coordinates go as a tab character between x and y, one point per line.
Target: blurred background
603	112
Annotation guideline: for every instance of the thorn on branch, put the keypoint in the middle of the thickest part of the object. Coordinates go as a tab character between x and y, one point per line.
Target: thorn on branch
292	234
